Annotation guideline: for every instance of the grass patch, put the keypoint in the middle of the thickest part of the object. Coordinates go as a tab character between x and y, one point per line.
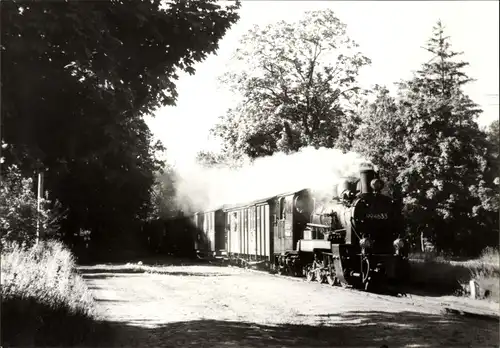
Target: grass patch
486	272
44	301
441	275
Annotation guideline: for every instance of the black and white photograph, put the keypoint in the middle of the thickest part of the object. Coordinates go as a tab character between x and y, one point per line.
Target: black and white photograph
249	173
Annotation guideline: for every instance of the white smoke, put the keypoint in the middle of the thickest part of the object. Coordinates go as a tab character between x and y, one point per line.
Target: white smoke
200	188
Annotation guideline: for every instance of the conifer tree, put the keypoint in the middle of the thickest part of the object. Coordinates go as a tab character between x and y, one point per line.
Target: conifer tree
446	190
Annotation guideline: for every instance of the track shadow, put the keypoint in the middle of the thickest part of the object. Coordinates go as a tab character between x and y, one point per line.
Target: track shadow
354	329
97	276
110	301
103	273
93	270
195	274
153	260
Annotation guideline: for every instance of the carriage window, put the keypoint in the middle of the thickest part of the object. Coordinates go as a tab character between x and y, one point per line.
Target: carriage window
258	218
245	217
282	208
253	212
250	218
235	222
289	205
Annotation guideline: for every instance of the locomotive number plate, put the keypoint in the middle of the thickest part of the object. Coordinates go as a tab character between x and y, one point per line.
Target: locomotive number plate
377	216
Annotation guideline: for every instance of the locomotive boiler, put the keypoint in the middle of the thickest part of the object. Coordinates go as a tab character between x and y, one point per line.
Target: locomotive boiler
352	238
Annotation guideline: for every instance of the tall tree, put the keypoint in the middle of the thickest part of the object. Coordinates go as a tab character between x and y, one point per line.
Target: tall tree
296	81
493	134
443	175
78	76
163	196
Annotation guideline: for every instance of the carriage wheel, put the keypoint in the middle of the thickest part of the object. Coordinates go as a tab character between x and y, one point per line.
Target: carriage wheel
331	279
310	276
319	277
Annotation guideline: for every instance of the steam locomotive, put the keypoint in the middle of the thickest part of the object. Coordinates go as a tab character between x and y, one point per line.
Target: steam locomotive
352	238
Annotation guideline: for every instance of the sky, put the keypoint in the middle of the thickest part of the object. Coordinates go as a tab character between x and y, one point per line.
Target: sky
390	33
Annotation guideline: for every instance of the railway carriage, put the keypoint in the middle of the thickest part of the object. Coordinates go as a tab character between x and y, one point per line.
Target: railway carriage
249	232
209	239
290	218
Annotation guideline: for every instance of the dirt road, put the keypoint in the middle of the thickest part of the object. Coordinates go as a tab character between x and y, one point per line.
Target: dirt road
206	306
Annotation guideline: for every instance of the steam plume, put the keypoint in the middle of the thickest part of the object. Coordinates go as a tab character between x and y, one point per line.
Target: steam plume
200	188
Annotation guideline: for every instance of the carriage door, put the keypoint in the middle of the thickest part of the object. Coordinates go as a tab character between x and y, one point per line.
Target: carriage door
284	240
288	228
279	244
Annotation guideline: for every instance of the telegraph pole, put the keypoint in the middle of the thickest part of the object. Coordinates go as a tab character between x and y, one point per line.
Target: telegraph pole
39	226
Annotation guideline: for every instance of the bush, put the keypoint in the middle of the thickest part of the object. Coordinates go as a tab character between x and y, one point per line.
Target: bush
490	256
43	294
19	212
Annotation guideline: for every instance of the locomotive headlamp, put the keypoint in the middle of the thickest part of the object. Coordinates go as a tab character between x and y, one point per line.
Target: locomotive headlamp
377	185
398	245
365	243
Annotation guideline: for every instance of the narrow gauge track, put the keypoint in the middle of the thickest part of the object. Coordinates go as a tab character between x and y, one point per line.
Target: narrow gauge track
400	298
387	297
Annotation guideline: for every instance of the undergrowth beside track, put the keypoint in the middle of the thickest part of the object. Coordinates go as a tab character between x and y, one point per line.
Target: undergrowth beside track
45	302
431	272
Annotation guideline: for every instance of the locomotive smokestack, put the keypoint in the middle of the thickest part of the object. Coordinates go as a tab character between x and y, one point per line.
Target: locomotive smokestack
367	174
